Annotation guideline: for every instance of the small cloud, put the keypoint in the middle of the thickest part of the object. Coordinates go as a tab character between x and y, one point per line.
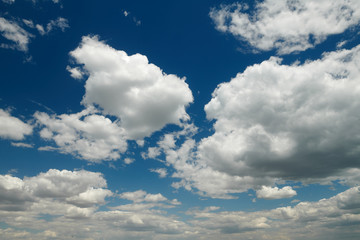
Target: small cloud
20	144
75	72
126	13
161	171
129	161
275	193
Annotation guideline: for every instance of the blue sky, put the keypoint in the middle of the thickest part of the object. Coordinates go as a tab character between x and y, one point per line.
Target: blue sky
179	120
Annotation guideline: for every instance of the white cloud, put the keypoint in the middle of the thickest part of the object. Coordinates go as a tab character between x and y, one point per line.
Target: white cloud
20	144
129	160
161	171
142	196
274	123
323	219
296	122
275	193
143	97
75	72
287	25
86	135
12	127
60	22
14	33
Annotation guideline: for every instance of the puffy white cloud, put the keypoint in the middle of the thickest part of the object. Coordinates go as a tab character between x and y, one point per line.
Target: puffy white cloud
75	72
275	123
161	171
142	196
14	33
86	135
296	122
287	25
12	127
143	97
275	193
63	190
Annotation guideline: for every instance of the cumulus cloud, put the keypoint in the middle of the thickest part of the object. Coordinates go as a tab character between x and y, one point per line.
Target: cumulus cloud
86	135
139	93
12	127
287	25
294	122
70	189
70	200
275	193
274	123
11	31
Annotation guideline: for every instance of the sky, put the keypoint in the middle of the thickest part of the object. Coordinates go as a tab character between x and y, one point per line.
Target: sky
180	119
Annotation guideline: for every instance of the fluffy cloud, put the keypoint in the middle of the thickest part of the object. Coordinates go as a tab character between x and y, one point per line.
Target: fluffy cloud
296	122
86	135
12	127
14	33
274	123
275	193
287	25
68	201
143	97
142	196
70	190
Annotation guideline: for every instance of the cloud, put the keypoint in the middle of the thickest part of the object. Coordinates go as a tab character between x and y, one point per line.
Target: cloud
129	87
20	144
75	72
19	37
86	135
274	123
68	202
294	122
324	219
12	127
142	196
161	171
286	25
61	23
275	193
70	189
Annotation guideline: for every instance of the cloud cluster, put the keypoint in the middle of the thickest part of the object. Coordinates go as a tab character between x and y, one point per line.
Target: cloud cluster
12	127
273	123
287	25
139	93
60	23
325	219
289	122
73	193
19	37
69	201
86	135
